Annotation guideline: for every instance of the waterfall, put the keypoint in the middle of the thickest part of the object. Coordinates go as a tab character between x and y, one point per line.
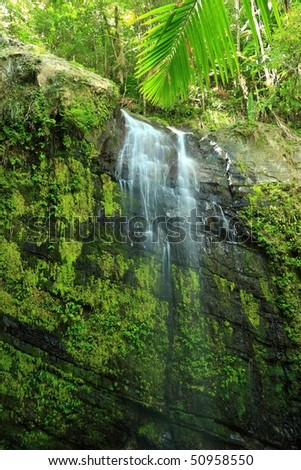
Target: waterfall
142	164
158	180
186	177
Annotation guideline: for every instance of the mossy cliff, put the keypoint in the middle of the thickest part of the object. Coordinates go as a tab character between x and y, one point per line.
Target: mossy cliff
75	333
94	355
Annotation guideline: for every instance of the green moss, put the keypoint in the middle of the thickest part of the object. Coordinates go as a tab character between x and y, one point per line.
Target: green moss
84	113
275	212
48	402
18	204
11	264
110	195
187	285
242	166
101	306
225	287
229	328
70	251
250	307
21	291
147	274
273	379
29	440
72	188
84	106
266	289
152	432
203	363
117	326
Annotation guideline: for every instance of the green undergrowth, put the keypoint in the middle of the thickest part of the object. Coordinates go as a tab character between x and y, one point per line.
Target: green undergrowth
274	215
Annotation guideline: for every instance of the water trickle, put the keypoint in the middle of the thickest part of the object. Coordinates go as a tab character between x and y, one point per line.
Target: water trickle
166	259
158	180
142	164
186	175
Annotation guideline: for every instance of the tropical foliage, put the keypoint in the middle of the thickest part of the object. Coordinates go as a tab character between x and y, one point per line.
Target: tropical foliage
97	34
194	35
208	62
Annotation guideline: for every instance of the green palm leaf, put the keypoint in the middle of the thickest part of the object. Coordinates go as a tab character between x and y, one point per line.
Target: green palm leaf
189	38
185	39
265	8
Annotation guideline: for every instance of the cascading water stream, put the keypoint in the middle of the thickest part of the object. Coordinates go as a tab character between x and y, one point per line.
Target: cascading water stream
186	175
142	165
158	180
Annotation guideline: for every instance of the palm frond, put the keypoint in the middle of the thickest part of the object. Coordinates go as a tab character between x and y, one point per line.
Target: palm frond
266	8
191	37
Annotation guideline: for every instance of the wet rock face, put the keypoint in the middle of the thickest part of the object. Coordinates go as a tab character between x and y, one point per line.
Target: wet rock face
113	344
237	326
227	371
